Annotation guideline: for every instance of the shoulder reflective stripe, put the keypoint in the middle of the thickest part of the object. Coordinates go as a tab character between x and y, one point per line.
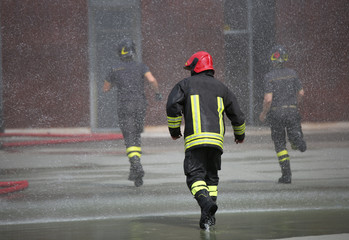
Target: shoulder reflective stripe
283	78
195	111
220	114
118	69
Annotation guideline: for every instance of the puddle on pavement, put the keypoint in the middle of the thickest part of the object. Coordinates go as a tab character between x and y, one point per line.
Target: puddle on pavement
242	225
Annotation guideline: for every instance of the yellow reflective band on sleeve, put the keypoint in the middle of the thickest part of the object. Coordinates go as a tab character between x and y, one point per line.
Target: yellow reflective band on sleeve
220	114
195	111
174	122
281	153
197	186
213	191
239	130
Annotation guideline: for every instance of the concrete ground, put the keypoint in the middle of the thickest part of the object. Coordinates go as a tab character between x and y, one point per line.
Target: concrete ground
81	191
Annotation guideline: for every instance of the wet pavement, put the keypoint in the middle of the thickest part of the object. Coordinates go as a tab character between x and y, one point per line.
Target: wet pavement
81	191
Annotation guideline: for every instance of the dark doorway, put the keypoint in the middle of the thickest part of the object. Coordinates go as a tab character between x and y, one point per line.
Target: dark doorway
109	22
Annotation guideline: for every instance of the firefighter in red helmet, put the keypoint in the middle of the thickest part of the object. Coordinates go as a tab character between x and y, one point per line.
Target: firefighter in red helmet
202	100
283	93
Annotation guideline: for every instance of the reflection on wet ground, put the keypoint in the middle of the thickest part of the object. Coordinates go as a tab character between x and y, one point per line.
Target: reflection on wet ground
240	226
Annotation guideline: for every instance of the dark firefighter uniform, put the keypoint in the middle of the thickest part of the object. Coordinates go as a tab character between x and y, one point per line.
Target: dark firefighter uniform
128	77
203	100
283	116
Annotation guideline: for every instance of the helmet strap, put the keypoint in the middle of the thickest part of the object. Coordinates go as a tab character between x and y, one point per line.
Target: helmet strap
193	64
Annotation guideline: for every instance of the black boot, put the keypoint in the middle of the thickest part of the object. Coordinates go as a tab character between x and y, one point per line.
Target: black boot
213	217
136	171
286	172
208	208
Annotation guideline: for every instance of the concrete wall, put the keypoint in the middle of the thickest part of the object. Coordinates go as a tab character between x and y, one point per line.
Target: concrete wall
316	35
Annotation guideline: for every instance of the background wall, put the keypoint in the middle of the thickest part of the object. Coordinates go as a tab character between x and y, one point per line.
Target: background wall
316	35
45	71
172	32
45	74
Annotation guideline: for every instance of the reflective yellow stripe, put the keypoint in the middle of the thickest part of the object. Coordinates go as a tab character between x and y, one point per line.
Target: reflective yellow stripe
174	122
134	151
213	190
284	159
220	114
204	141
281	153
195	111
132	154
204	135
204	138
239	130
197	186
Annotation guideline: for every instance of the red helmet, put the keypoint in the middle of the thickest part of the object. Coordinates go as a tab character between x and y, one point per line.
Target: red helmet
200	61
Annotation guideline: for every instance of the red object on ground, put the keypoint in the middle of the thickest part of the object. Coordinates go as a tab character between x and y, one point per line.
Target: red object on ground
65	138
12	186
57	135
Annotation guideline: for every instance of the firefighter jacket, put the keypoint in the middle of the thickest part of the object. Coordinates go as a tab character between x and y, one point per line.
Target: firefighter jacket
128	77
202	100
284	84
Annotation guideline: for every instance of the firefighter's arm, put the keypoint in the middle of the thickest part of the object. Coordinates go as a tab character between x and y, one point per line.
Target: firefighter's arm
268	98
236	116
239	133
154	85
106	86
174	109
300	96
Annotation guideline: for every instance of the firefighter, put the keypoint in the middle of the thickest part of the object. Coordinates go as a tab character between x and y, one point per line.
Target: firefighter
202	100
128	77
283	93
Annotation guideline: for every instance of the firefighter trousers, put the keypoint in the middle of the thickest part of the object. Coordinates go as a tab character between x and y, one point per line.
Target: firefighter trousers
286	122
131	121
201	166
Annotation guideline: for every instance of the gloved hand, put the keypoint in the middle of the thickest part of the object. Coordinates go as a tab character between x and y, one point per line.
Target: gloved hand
176	137
239	138
158	96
